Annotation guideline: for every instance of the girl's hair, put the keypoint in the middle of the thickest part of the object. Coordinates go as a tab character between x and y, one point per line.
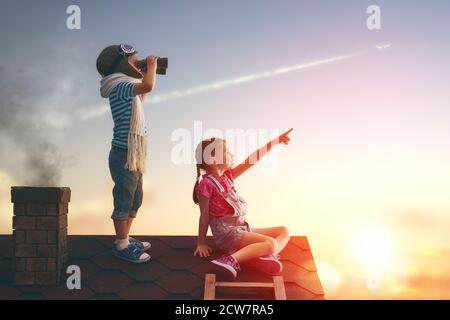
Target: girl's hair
201	163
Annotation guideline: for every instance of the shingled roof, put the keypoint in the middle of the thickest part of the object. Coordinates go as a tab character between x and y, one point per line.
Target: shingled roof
172	273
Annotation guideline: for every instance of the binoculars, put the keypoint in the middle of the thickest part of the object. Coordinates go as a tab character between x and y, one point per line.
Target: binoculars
162	65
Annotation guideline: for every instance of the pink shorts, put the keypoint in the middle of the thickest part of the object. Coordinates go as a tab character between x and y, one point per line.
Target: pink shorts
228	232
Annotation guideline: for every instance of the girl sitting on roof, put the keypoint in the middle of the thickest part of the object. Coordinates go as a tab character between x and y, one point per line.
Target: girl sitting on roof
224	211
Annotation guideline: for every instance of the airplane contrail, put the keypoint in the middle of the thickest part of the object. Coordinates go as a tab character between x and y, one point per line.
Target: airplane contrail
158	98
247	78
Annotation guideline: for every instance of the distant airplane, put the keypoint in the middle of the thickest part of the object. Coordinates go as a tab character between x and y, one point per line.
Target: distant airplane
383	46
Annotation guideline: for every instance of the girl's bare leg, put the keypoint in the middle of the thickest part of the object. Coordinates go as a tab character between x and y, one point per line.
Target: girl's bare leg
254	245
280	234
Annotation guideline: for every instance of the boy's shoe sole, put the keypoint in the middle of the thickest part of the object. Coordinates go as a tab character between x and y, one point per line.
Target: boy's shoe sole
269	266
116	254
225	270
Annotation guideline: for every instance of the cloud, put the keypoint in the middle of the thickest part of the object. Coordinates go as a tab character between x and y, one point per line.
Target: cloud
94	112
426	285
419	220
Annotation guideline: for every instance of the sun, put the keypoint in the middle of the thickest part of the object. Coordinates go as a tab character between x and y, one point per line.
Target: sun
372	245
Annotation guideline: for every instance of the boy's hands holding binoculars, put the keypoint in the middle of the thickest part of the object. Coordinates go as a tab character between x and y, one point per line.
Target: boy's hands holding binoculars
149	79
152	62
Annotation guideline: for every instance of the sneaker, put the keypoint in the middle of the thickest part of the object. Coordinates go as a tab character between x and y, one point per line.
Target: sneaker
229	266
142	245
268	264
132	254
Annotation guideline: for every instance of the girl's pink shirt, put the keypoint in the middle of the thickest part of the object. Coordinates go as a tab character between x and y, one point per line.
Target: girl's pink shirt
218	207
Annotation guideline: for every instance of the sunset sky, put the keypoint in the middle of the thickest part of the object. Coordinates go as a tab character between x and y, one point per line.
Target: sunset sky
366	176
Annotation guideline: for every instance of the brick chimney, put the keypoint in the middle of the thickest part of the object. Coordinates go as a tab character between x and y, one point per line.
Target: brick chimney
40	234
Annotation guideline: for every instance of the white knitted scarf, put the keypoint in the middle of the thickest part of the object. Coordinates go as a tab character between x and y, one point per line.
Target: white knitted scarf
137	143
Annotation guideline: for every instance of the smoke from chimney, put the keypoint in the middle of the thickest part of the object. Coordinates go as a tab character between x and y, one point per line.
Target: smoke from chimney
26	150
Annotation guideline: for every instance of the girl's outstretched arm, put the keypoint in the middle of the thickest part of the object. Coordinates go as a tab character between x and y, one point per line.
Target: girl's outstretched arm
258	154
203	250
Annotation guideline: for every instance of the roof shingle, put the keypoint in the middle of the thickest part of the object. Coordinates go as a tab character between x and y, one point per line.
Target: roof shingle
172	273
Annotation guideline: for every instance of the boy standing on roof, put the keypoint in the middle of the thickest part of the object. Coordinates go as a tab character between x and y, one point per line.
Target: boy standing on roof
126	86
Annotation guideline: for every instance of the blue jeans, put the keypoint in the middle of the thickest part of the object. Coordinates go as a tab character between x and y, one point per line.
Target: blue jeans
127	191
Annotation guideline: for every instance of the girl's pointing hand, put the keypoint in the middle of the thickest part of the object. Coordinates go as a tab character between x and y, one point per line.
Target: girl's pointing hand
284	138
